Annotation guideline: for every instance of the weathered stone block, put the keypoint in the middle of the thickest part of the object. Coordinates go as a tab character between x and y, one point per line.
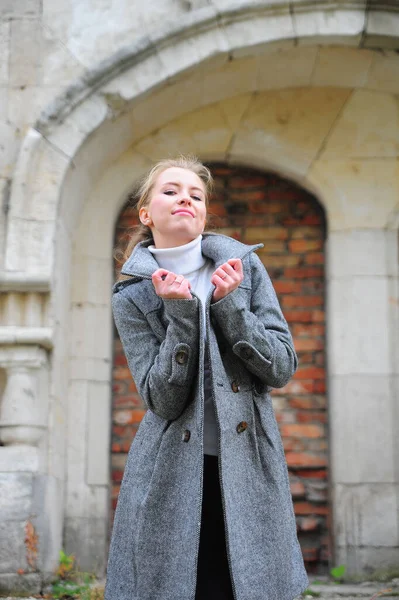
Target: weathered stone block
86	538
342	67
25	52
28	583
362	252
332	25
358	312
20	8
98	445
361	436
16	496
12	546
358	135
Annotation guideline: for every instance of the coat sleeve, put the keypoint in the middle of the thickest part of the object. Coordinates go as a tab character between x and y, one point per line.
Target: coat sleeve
258	331
163	371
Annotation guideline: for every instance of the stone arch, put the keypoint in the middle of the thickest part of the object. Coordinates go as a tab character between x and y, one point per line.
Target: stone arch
77	163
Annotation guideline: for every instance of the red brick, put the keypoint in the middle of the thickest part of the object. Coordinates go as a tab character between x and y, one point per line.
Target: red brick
312	473
128	401
318	316
307	403
287	287
313	286
319	387
305	358
121	373
302	431
308	329
298	316
315	258
117	475
303	272
120	360
297	387
306	233
119	387
279	260
297	489
248	196
302	344
217	210
312	416
310	373
247	182
306	508
302	459
293	445
305	245
302	301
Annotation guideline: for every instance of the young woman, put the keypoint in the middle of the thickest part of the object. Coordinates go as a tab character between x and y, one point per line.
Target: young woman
205	509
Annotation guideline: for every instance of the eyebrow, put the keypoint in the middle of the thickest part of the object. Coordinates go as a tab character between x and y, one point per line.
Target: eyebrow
178	184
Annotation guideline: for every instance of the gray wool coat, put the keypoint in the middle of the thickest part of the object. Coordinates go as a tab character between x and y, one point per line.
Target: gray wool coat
155	539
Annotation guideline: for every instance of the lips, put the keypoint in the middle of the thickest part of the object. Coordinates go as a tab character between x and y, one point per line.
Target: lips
183	212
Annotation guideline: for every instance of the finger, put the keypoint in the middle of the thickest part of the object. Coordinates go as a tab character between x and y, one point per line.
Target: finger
236	264
170	278
221	280
185	288
229	271
159	274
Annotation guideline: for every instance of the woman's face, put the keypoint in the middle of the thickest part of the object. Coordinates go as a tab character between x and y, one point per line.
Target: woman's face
176	213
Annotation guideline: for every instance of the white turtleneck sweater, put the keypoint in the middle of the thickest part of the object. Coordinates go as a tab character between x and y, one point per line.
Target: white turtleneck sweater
189	261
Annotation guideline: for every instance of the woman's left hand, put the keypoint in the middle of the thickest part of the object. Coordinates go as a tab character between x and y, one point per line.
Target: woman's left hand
227	278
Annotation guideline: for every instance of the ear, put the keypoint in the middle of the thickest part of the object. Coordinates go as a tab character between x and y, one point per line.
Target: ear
145	216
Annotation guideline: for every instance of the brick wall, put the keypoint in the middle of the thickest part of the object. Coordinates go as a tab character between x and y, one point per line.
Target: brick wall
256	207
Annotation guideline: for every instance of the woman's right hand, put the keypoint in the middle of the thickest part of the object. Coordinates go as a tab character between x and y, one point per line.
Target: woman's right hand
170	286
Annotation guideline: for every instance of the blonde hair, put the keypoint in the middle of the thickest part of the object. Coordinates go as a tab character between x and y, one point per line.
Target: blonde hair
141	232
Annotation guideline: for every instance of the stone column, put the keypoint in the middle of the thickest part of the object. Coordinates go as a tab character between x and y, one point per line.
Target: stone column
24	406
362	332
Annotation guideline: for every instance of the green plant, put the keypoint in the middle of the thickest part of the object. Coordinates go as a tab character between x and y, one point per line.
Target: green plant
66	564
73	584
310	592
337	573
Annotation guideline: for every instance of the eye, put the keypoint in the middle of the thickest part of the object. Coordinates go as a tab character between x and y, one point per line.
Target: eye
169	192
197	198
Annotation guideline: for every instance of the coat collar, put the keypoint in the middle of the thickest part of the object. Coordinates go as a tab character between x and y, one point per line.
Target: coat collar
215	246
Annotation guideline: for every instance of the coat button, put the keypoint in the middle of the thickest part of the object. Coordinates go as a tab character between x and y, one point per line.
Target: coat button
242	426
181	357
186	435
235	386
246	353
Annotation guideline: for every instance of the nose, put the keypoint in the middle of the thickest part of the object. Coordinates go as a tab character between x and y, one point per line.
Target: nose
185	198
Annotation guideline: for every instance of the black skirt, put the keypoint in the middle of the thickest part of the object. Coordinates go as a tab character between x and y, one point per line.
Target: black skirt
213	575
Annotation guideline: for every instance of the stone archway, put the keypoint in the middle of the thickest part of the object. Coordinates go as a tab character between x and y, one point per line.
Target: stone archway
73	173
